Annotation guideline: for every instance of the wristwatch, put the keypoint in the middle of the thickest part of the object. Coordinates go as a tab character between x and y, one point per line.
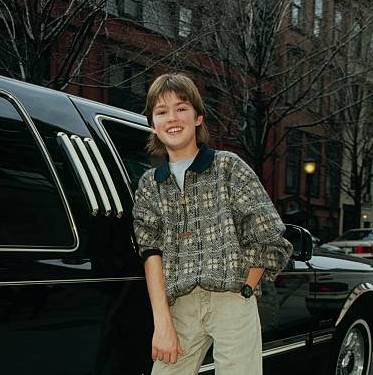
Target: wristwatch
247	291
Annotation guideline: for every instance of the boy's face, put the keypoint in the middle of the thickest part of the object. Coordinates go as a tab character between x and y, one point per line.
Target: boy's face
174	123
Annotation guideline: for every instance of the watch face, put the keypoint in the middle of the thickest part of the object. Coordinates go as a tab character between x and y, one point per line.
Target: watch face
247	291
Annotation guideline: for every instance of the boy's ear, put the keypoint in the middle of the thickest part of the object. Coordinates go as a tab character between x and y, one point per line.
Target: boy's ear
199	120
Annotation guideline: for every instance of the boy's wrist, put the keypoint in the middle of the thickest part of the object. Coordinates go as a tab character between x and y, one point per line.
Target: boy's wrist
247	291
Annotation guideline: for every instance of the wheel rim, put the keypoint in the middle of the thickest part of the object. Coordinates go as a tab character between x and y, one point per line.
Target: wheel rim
354	355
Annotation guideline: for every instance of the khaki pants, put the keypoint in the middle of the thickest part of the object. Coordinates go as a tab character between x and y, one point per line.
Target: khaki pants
227	320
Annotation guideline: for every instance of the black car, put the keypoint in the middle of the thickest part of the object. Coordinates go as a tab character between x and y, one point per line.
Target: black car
73	298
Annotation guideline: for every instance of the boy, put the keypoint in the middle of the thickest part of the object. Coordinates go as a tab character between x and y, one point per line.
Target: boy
208	233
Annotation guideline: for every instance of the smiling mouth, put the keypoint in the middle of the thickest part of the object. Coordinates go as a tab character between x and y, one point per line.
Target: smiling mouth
174	130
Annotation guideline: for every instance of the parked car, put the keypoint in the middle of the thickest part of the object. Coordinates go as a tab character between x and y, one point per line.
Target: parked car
73	298
317	243
358	242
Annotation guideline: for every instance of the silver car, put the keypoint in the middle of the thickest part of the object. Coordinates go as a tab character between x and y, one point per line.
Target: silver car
357	242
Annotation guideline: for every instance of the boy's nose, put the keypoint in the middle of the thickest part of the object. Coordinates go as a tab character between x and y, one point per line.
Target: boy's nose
171	115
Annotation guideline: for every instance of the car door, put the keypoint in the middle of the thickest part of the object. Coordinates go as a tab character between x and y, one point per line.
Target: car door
72	294
286	320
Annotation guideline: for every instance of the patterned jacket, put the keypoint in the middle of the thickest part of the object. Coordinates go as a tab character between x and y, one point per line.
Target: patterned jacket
213	231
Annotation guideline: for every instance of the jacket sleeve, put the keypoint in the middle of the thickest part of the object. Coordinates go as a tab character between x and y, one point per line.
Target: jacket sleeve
258	223
147	221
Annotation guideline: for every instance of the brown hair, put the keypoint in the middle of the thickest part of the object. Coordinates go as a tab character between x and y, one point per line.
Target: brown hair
186	90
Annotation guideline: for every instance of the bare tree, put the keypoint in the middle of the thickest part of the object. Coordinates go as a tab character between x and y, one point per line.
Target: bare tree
33	32
352	125
264	73
270	70
356	137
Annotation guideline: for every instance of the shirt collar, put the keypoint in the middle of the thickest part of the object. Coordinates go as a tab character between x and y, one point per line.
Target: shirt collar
200	163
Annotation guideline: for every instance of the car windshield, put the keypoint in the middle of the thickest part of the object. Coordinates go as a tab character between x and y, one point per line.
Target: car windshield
355	235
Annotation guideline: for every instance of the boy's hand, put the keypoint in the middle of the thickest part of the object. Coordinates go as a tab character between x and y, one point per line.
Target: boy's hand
166	346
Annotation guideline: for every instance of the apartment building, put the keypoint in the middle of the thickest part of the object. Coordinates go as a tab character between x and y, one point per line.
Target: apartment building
279	79
331	42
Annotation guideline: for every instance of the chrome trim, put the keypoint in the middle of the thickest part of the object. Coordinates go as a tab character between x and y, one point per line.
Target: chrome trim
286	344
109	181
33	249
69	281
284	348
94	173
79	170
128	123
322	339
298	343
112	147
44	151
358	291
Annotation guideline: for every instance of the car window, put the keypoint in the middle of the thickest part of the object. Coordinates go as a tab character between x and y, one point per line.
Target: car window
356	235
130	143
369	237
32	212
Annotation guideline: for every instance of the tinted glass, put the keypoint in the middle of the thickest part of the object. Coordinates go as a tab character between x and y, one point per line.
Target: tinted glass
32	213
357	235
130	143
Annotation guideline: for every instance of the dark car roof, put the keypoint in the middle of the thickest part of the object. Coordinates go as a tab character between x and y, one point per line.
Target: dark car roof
32	97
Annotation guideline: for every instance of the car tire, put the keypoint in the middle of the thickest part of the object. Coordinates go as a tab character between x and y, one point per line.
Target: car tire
353	347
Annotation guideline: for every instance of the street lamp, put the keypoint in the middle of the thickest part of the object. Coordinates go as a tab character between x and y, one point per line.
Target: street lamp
309	168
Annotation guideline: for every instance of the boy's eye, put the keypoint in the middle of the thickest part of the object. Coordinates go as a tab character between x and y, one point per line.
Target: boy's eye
182	109
160	112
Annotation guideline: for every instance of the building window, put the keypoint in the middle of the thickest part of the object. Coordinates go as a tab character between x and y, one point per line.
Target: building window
333	106
293	157
313	150
367	180
317	17
115	73
296	13
212	100
357	39
128	8
295	73
333	165
336	88
129	86
337	25
316	92
185	22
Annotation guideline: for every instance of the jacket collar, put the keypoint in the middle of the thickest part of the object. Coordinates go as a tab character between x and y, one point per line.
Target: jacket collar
201	162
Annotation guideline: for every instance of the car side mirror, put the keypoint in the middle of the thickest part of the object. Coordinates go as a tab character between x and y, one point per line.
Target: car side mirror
301	240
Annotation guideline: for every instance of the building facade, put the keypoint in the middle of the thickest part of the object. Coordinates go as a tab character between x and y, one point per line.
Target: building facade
284	82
